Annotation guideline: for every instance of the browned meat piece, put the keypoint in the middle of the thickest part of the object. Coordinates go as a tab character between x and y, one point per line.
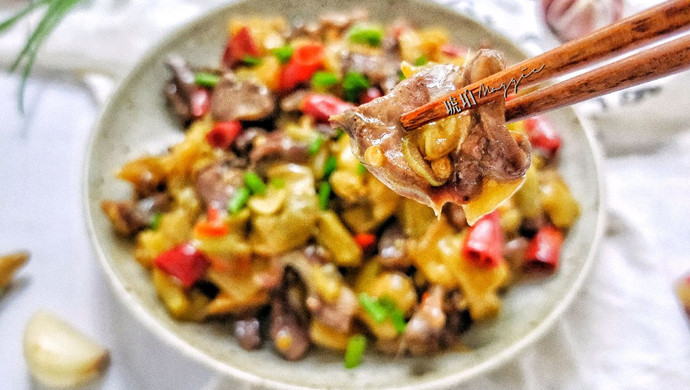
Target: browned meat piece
290	337
514	251
248	333
129	217
424	328
217	183
392	251
487	151
277	145
246	100
337	22
245	140
188	100
339	314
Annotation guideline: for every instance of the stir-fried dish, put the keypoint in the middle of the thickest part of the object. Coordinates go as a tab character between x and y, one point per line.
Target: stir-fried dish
264	216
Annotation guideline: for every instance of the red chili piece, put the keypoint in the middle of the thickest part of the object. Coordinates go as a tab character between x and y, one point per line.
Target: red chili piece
321	106
183	262
304	62
542	135
239	46
365	241
369	95
223	134
544	249
484	242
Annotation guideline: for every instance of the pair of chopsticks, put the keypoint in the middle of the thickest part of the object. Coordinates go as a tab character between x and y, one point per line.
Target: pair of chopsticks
663	21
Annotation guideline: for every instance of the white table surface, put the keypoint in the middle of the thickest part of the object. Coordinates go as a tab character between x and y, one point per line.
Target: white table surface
625	330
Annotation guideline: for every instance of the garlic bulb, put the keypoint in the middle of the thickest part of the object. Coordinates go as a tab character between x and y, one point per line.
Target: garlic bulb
570	19
59	355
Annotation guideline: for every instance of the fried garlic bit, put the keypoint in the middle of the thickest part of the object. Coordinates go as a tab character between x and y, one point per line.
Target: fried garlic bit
9	264
59	355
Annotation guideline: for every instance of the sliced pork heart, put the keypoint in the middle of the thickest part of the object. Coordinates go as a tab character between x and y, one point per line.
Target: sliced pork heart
484	150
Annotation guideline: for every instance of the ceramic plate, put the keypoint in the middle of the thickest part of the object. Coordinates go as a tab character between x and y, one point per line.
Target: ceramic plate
136	122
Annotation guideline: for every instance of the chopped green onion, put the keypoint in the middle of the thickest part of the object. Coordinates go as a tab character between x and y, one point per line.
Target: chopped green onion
278	182
366	34
353	85
339	133
206	79
324	195
401	76
330	166
155	222
373	307
254	183
323	79
361	169
283	53
251	60
394	313
237	202
315	145
422	60
356	345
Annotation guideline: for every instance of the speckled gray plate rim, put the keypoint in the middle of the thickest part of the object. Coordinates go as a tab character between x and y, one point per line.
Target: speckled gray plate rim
135	121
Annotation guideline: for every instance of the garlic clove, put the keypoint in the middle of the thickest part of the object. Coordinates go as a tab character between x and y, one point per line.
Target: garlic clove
58	355
571	19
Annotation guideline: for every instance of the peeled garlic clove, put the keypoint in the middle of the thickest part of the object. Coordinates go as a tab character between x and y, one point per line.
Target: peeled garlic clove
9	264
570	19
59	355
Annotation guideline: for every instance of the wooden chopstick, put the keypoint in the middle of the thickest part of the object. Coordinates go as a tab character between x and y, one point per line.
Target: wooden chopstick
646	27
657	62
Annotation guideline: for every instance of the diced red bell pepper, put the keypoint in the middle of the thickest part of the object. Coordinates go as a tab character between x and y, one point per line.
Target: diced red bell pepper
304	62
200	102
184	263
483	244
453	50
542	135
366	241
239	46
321	106
543	251
223	134
369	95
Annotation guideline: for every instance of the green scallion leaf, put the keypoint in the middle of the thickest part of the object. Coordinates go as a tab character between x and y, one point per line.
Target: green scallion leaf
324	195
330	166
239	200
254	183
283	53
372	306
367	34
55	12
422	60
206	79
323	79
155	222
361	169
356	345
353	85
315	145
251	60
277	182
339	133
401	76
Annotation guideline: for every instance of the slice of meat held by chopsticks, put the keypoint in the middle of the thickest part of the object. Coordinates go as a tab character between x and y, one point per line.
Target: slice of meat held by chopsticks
381	142
480	160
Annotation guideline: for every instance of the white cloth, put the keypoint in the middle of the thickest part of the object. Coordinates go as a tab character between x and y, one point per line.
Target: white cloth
625	330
